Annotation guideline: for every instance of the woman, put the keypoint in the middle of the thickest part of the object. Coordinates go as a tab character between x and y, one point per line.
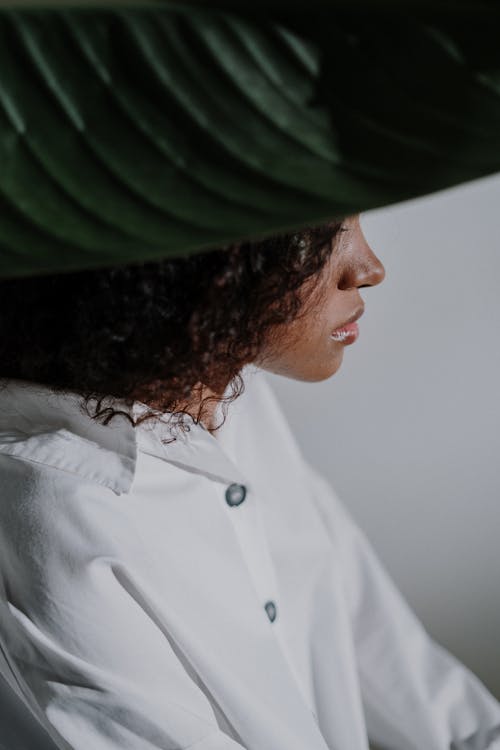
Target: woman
174	574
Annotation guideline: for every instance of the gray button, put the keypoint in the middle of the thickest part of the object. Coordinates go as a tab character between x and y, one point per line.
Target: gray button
270	608
235	494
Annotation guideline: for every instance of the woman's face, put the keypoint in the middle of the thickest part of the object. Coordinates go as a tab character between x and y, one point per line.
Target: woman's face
306	349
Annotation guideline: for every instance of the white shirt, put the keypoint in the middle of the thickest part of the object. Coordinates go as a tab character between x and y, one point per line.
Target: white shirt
140	610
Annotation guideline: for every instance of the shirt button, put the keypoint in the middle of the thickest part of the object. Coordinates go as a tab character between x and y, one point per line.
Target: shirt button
235	494
270	608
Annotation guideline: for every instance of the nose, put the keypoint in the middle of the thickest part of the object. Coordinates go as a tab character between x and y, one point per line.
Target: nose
371	272
362	267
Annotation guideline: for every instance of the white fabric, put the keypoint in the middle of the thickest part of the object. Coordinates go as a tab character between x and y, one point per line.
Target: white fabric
132	595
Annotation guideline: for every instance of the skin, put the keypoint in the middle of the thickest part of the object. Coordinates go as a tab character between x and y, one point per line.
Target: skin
304	350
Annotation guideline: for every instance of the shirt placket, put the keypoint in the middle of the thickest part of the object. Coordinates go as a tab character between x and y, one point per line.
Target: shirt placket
241	505
201	452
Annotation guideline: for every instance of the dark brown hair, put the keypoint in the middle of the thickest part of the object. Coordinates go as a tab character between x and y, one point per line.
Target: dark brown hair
153	331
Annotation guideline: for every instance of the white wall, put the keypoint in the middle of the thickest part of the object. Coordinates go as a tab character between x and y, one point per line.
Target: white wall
408	429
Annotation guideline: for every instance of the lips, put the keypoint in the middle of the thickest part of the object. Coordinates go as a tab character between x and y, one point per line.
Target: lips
351	319
348	332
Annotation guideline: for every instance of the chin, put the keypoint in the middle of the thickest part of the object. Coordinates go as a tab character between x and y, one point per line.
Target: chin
310	371
319	373
323	376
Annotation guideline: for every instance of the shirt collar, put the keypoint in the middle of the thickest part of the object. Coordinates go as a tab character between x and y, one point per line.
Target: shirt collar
39	425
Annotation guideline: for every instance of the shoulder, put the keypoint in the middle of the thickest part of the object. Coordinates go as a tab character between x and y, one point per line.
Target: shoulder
52	518
260	421
261	414
334	514
263	429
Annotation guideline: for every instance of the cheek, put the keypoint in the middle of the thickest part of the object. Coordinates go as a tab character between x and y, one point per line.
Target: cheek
310	355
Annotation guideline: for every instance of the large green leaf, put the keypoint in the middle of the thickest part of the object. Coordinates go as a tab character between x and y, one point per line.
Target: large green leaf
133	132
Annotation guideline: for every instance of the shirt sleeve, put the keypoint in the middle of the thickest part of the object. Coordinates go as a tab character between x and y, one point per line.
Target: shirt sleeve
415	693
80	642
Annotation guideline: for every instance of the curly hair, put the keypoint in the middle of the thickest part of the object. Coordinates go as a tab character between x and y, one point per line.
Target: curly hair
158	331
